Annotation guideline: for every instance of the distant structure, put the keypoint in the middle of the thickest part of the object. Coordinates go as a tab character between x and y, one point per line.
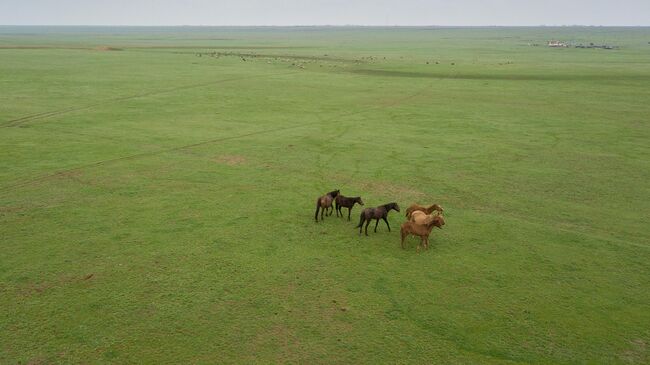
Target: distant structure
554	43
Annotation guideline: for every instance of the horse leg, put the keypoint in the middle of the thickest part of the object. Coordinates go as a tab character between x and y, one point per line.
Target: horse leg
322	211
404	234
376	224
367	224
385	220
349	212
317	209
361	220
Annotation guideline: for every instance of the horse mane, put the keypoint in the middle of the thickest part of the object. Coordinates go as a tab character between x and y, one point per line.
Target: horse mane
429	209
389	205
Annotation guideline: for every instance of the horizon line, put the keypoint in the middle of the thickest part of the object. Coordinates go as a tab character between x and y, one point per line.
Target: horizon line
330	25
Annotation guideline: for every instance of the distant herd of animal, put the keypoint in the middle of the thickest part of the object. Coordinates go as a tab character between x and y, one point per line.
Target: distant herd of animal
420	219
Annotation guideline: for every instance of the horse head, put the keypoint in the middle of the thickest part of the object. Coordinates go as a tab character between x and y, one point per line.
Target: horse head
433	208
438	221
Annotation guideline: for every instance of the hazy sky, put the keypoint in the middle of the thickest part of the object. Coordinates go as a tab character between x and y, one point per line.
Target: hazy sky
319	12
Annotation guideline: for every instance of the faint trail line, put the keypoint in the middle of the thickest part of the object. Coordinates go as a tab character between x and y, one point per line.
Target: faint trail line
138	155
209	141
33	117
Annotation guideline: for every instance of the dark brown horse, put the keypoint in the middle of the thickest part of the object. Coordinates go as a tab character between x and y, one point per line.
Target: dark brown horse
325	202
381	212
346	202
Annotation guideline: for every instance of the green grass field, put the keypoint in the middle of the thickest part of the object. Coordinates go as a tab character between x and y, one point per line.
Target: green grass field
156	206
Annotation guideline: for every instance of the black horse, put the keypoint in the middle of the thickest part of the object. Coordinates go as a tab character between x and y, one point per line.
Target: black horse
346	202
325	202
381	212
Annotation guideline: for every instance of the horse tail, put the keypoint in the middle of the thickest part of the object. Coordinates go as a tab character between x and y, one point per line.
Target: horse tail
317	209
361	219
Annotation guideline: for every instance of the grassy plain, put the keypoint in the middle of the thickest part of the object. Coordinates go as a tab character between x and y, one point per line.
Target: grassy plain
157	206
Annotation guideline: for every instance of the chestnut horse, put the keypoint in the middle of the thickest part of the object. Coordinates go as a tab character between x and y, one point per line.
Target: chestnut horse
427	209
420	217
381	212
421	230
325	202
346	202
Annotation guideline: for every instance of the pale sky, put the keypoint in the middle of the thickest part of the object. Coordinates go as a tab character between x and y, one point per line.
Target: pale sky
322	12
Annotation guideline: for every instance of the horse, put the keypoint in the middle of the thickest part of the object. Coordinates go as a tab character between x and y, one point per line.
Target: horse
427	209
381	212
421	230
420	217
325	202
346	202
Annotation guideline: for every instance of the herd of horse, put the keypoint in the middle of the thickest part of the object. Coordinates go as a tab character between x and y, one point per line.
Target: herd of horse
421	219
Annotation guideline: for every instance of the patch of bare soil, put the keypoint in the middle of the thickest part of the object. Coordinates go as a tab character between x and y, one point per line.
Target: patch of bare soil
37	361
231	160
42	287
286	342
10	210
637	353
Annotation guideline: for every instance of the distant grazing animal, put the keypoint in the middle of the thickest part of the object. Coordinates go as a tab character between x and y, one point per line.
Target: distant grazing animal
427	209
325	202
346	202
381	212
421	230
